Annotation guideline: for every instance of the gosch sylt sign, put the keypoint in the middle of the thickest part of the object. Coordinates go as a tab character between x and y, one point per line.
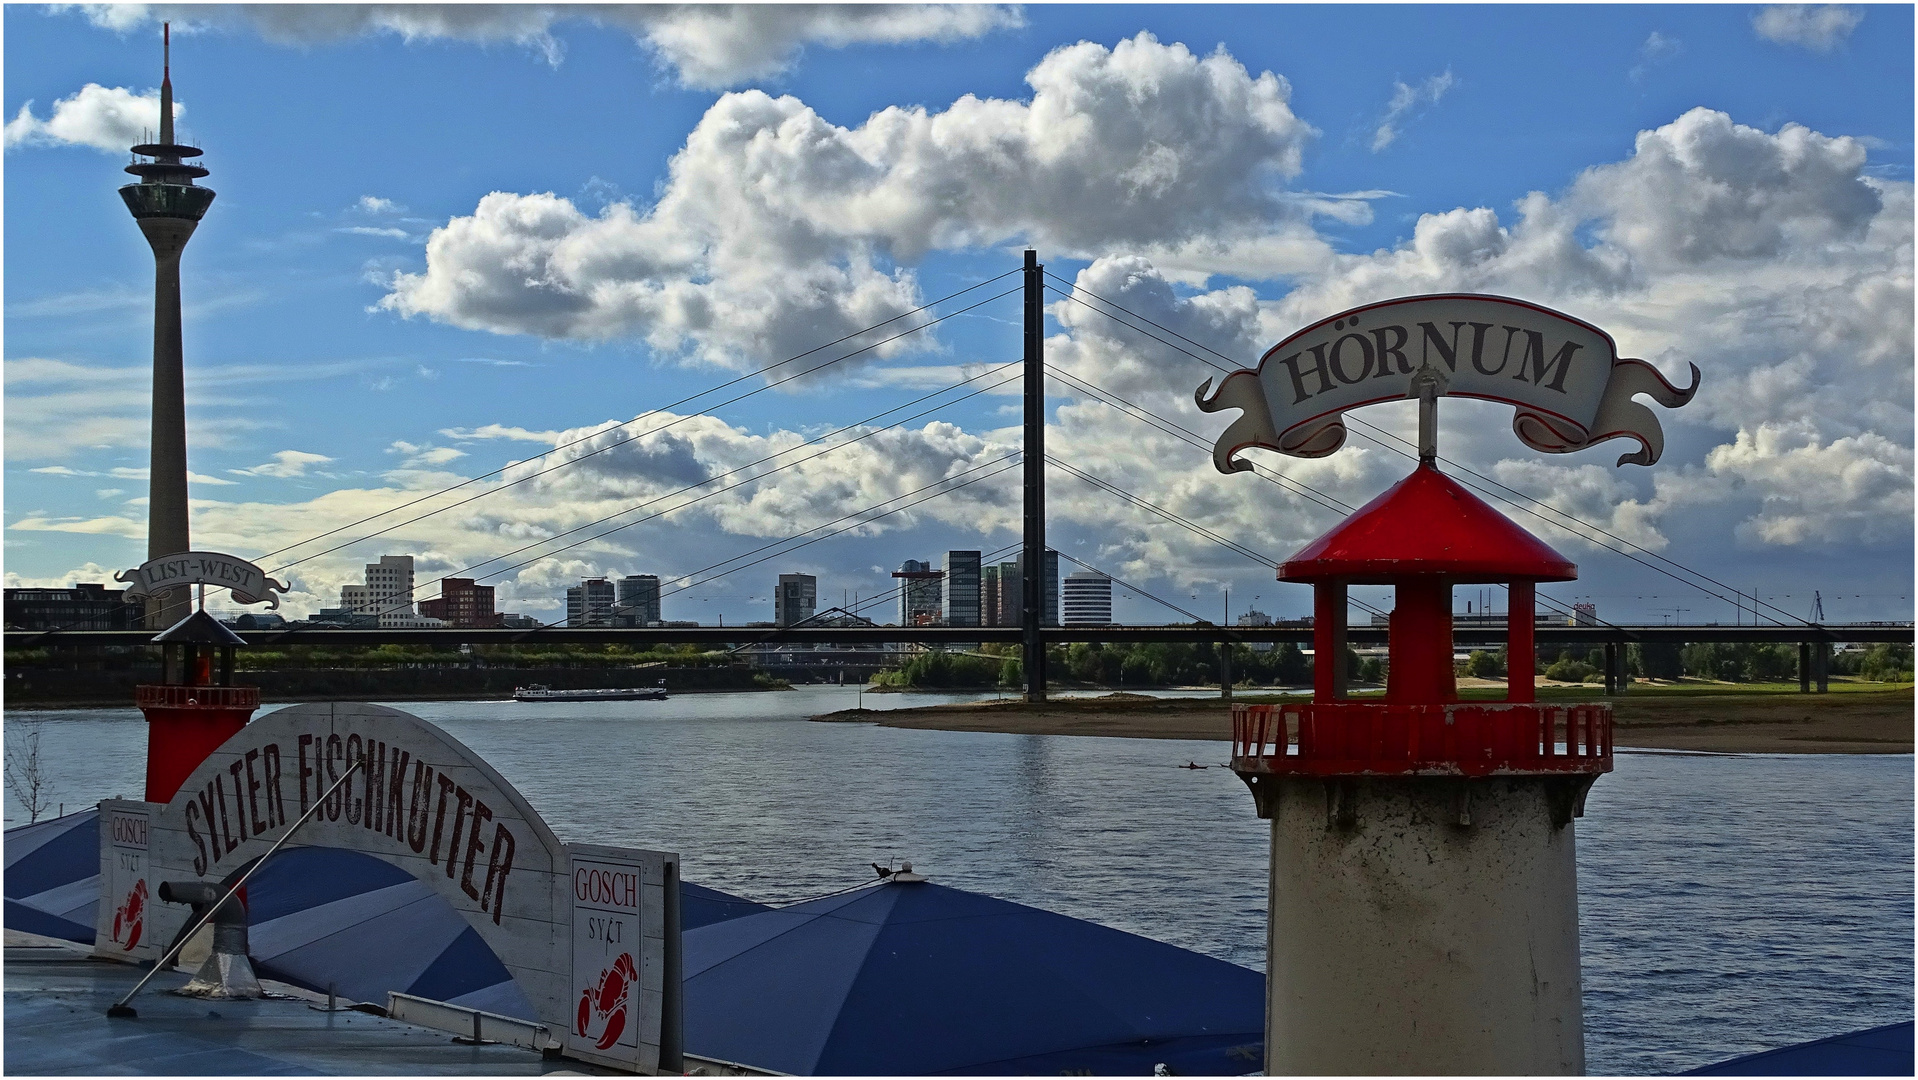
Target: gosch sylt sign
1565	377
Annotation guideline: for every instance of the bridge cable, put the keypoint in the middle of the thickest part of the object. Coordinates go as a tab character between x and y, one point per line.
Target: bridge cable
749	480
610	446
1462	468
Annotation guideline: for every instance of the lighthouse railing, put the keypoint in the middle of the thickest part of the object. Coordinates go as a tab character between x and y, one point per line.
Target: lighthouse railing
1460	738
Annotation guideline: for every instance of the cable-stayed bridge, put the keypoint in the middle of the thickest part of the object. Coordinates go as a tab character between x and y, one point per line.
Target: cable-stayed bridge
1770	624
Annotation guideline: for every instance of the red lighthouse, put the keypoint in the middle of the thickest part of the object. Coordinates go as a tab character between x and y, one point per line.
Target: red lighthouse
1424	908
1424	896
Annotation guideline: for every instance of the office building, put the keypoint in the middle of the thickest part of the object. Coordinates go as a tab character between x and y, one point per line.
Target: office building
85	606
796	600
959	590
1008	600
989	598
918	593
590	603
638	601
1049	590
1007	603
1086	599
1585	614
462	603
389	592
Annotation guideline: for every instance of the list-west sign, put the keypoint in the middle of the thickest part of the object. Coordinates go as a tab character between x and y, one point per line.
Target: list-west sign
1565	377
418	799
247	582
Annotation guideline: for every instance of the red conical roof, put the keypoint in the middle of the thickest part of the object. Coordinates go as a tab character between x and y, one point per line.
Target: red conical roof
1427	524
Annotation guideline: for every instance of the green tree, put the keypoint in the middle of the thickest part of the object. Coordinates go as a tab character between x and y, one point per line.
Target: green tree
1569	670
1661	660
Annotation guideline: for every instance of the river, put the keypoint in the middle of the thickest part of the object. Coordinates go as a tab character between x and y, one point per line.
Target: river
1728	903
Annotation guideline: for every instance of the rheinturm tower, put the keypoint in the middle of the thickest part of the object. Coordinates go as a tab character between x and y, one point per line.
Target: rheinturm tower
168	206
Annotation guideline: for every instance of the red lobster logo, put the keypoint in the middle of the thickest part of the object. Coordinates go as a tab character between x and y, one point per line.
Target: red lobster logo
130	916
606	1003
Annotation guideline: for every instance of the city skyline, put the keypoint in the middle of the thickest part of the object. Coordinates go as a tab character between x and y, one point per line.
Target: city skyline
336	368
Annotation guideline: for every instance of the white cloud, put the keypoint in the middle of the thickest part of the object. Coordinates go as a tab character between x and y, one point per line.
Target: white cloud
125	473
90	572
285	465
425	456
373	204
775	227
1818	27
1404	100
1657	49
375	230
707	46
105	118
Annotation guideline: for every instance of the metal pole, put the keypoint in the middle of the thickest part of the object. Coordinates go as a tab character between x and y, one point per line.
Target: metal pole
120	1008
1033	600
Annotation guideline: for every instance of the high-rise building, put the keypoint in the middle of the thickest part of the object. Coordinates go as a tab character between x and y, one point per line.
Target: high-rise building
590	603
1086	599
389	587
1049	589
989	594
796	600
167	206
918	593
960	588
462	603
638	601
355	599
1584	614
1010	602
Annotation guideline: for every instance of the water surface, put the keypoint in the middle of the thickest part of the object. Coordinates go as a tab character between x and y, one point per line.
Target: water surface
1728	903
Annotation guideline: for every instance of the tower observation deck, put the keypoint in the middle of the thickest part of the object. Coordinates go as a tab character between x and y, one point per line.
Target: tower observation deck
167	205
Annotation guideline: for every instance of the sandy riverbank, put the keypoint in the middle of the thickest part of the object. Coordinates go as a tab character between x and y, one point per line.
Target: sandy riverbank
1726	721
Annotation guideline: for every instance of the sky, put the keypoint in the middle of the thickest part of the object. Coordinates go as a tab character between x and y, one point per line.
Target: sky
564	258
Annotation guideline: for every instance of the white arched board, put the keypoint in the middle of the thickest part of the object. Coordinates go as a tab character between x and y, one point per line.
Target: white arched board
424	803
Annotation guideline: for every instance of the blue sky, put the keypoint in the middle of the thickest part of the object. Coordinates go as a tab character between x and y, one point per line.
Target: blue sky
1722	185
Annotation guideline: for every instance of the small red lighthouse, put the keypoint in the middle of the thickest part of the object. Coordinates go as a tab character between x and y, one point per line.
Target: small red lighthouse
1424	908
195	707
1424	905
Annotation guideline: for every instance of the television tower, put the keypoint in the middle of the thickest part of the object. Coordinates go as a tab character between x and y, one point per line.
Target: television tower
167	206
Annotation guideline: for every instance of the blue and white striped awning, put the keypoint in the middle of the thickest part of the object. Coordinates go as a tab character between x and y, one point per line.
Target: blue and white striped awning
318	918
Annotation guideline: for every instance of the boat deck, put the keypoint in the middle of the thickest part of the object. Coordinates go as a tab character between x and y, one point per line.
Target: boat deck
56	1024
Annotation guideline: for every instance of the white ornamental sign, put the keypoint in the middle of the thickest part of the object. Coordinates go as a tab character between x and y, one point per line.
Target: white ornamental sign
247	582
1565	377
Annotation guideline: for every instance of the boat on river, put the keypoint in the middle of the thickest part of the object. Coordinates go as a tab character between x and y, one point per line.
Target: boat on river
541	692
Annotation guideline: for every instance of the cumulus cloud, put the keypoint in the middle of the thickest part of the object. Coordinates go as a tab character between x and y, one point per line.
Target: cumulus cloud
706	46
1770	260
105	118
1404	99
777	230
89	572
1818	27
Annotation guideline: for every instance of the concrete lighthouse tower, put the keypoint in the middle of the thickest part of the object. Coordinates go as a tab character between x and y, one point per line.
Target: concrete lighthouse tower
168	206
1424	907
